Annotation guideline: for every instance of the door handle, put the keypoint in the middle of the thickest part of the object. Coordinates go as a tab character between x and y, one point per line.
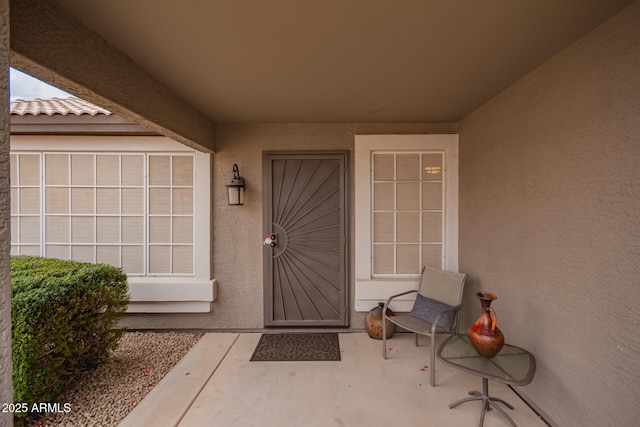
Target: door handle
271	240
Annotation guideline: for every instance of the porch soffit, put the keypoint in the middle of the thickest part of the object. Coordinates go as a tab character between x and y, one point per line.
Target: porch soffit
287	61
328	61
50	43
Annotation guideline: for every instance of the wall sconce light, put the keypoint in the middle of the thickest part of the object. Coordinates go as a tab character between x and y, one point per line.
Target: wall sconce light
235	188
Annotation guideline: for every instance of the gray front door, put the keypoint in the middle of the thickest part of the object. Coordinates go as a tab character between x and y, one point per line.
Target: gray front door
305	228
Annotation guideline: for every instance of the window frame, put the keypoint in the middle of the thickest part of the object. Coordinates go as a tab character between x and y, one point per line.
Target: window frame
154	293
369	289
395	211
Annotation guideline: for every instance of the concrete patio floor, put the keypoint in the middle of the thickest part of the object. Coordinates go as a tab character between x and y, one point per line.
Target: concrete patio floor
215	384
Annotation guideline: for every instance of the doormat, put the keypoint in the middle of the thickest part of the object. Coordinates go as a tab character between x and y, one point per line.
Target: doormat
297	347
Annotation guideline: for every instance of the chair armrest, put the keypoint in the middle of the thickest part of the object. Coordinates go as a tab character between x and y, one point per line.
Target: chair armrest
434	325
386	304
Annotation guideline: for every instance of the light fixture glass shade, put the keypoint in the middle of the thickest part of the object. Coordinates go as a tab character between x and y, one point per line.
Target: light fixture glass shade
236	195
235	188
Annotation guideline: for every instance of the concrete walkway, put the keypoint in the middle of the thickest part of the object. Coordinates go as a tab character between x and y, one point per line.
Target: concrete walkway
215	384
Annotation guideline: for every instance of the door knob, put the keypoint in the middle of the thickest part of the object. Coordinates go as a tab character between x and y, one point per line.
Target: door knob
271	240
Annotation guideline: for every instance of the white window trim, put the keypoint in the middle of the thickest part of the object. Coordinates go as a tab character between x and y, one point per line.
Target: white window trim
369	290
192	293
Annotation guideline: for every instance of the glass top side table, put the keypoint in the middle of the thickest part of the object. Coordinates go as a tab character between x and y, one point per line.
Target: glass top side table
512	365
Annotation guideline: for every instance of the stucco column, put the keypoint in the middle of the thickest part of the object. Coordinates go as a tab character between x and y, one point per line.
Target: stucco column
6	395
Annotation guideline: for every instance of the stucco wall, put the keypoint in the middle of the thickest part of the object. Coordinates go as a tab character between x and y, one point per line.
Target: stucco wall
550	222
5	237
237	230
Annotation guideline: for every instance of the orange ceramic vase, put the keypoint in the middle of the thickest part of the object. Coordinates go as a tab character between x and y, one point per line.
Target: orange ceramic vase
484	334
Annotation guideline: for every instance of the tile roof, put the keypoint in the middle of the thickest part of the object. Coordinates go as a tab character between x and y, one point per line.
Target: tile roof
53	106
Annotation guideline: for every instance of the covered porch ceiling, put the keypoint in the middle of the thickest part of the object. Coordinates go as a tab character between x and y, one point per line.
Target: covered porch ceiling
288	61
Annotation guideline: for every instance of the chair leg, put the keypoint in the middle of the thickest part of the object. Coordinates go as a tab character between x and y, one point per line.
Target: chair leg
432	364
416	337
384	337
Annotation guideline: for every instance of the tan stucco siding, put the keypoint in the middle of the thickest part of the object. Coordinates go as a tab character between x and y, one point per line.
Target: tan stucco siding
237	230
5	232
549	221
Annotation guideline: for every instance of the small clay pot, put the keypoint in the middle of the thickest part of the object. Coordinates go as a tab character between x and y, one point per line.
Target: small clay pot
373	322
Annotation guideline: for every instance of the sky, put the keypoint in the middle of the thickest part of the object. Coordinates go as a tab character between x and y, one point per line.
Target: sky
23	86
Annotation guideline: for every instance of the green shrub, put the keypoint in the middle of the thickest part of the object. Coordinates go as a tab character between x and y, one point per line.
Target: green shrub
63	314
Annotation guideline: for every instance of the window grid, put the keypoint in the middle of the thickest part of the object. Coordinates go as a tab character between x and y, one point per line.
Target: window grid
76	248
171	216
61	234
422	243
21	215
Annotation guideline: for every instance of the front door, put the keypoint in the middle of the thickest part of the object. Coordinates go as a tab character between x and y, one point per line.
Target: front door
305	247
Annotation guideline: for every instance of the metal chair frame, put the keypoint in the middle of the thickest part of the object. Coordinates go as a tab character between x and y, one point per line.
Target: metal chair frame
419	326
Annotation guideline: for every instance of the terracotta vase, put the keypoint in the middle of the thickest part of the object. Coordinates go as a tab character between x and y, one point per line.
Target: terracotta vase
484	334
373	322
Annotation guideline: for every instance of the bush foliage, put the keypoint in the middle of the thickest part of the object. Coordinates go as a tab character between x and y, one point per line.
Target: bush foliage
63	314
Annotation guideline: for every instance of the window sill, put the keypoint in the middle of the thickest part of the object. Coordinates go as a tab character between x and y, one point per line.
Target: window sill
171	295
369	292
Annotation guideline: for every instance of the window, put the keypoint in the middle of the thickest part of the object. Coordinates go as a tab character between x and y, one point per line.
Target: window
407	212
25	204
131	210
142	203
170	227
406	208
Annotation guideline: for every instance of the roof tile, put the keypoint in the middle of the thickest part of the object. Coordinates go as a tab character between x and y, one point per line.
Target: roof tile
62	106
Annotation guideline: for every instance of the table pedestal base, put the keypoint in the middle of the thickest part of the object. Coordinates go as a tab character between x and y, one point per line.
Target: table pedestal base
486	400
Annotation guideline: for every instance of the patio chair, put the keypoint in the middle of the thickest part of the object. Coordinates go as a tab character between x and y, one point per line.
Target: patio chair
435	311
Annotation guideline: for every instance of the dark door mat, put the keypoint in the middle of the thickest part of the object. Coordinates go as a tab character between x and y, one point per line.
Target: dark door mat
297	347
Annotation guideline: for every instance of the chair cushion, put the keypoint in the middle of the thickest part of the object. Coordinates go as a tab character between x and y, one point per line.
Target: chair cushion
427	309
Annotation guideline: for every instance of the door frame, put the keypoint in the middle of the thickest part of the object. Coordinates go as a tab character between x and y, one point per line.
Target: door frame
267	198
